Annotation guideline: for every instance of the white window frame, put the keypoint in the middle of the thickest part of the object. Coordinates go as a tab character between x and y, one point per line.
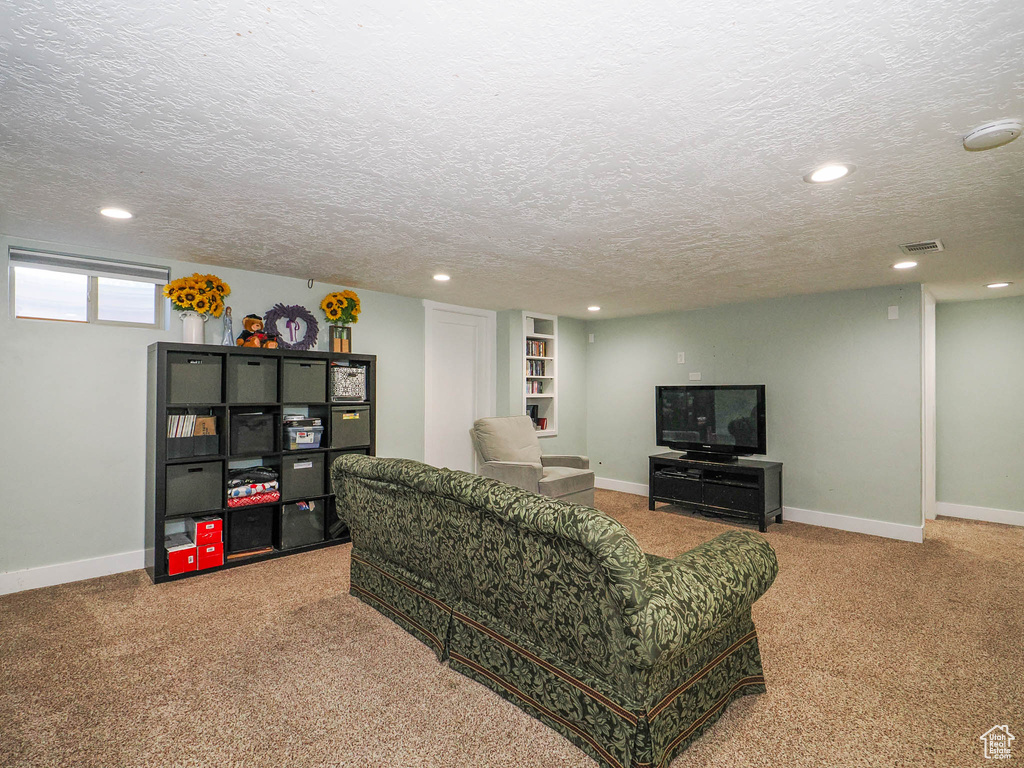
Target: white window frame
94	269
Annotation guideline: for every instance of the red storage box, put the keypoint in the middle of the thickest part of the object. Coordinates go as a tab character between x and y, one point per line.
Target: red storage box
181	554
210	555
205	530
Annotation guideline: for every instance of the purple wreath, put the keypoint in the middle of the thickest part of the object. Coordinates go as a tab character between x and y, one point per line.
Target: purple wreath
291	314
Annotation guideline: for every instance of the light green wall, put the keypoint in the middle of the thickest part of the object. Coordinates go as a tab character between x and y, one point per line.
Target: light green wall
510	362
979	381
843	392
73	457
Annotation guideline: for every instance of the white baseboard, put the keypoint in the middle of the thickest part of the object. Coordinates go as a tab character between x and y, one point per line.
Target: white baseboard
899	531
637	489
62	573
988	514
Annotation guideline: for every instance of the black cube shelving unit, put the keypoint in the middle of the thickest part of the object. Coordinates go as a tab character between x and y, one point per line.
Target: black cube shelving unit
187	476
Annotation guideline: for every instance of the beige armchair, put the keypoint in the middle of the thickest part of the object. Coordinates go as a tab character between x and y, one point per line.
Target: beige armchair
510	452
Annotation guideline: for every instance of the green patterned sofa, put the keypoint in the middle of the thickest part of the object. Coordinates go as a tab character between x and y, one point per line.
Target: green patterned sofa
555	607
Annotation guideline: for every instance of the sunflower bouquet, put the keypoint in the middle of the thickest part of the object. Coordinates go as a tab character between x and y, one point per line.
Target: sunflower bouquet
341	307
198	293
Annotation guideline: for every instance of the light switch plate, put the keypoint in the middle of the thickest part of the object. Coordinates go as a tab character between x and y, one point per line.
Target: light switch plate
591	338
695	376
680	357
894	312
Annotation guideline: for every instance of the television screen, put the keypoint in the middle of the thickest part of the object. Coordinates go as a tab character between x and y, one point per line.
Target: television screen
714	419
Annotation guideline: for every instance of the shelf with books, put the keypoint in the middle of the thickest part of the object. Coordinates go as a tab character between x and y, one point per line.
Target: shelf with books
540	371
282	503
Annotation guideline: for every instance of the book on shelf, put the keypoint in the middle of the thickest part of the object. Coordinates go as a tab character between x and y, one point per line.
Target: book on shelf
191	425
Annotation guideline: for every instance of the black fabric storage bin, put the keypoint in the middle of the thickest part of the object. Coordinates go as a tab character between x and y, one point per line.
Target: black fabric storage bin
304	381
252	379
350	426
302	476
197	487
250	528
252	433
197	445
193	378
302	526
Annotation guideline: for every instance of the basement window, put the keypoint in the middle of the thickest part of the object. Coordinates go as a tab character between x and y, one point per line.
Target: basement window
80	289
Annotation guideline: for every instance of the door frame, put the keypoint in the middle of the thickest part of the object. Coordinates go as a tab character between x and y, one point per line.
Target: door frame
928	407
486	363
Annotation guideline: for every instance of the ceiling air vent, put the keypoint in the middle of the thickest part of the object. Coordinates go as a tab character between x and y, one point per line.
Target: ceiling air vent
925	246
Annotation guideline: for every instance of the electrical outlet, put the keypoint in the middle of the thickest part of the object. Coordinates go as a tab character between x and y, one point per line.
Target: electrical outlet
695	376
680	357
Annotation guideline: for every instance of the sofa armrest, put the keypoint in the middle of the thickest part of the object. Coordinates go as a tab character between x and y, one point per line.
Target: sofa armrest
522	474
576	462
697	593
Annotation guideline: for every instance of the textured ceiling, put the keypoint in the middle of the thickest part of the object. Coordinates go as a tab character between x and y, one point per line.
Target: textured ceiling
548	155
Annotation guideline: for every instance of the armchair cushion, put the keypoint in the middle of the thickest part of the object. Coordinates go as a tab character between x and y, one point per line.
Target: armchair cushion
561	481
522	474
508	438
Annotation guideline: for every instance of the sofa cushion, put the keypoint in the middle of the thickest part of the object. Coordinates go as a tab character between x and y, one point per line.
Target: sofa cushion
560	481
508	438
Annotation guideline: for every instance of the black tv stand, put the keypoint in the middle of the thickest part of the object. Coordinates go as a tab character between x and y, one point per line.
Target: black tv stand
743	489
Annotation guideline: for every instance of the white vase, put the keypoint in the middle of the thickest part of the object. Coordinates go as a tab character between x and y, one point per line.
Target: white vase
192	330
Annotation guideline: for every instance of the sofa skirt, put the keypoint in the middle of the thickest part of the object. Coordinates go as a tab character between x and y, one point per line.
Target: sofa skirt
684	697
674	702
407	603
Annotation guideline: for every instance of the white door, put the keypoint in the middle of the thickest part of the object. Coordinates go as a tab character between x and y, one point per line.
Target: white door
460	381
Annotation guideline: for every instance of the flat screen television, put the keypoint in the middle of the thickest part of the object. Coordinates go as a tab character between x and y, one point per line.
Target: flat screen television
717	423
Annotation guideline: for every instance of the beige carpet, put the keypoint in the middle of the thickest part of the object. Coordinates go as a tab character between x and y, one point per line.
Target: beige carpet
877	653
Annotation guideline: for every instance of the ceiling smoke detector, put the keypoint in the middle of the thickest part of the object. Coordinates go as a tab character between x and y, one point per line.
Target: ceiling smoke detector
925	246
992	135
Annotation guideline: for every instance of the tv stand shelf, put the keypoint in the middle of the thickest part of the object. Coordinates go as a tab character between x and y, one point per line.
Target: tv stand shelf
744	489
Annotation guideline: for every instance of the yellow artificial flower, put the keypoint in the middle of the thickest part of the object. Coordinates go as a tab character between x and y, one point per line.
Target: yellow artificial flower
201	304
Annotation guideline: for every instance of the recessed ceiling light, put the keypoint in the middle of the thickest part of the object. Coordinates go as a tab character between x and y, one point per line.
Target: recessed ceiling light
998	285
904	265
830	172
594	308
442	278
116	213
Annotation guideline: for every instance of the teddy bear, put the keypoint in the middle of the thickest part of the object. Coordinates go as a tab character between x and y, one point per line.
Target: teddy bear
254	335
